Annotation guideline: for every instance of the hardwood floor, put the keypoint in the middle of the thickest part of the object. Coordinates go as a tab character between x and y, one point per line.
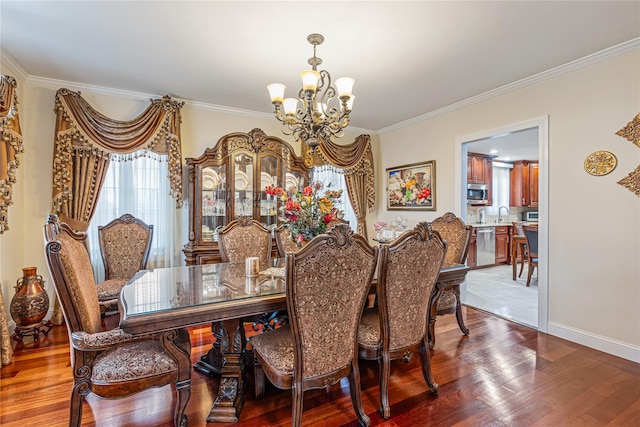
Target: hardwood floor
503	374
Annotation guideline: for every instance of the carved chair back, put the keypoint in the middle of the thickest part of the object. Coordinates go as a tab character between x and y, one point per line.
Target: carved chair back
457	234
243	238
70	268
327	283
125	243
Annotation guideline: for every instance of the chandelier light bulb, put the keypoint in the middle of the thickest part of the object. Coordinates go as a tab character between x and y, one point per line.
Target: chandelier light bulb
290	106
310	79
276	91
344	86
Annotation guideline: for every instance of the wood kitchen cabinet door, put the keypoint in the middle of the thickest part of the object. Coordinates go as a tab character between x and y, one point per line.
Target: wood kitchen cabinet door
502	244
533	184
473	251
523	190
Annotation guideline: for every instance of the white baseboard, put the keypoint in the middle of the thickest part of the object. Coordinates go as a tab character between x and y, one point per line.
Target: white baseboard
607	345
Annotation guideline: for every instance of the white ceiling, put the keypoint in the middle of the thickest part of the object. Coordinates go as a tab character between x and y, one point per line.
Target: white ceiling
408	58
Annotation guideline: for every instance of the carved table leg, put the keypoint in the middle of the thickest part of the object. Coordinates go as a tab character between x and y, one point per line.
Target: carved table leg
228	404
213	361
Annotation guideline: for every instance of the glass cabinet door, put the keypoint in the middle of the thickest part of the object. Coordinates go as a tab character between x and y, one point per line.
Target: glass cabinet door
295	180
243	178
214	200
269	176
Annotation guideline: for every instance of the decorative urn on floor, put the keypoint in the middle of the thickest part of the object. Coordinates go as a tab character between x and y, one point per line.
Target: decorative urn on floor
29	305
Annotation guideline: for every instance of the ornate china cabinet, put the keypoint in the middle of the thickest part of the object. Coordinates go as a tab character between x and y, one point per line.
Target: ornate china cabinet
228	181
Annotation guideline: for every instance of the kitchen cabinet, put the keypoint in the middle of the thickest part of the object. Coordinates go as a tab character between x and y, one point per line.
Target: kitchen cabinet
502	244
480	171
524	184
229	181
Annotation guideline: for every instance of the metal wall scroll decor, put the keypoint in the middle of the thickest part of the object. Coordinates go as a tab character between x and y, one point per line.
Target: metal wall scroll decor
631	132
600	163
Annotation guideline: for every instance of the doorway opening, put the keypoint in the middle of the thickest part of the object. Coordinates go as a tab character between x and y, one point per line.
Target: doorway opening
492	288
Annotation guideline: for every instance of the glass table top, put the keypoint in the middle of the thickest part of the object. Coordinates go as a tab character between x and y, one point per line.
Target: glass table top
166	289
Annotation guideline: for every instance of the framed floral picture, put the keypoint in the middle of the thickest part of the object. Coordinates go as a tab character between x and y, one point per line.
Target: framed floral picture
412	187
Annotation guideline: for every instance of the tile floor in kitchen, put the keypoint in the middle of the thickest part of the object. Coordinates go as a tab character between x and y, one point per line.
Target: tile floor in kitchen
493	290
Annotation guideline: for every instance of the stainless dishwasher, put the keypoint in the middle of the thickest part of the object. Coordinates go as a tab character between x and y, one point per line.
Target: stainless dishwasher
486	246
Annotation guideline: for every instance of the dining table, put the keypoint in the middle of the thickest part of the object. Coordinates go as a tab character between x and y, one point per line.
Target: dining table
167	299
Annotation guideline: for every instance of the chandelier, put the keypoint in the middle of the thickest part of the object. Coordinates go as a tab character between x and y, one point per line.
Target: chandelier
314	116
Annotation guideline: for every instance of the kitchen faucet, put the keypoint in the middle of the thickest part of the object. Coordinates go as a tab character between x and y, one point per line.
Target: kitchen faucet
500	212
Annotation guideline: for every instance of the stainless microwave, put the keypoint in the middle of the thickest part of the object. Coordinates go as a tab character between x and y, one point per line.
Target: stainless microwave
477	194
530	216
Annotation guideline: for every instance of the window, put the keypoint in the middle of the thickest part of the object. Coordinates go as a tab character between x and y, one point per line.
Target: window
499	187
333	178
139	187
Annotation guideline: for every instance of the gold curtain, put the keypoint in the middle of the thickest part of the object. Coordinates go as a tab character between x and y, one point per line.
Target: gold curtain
356	161
10	145
6	351
86	141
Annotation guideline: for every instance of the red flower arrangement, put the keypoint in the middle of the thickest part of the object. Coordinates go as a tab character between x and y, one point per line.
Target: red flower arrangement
307	213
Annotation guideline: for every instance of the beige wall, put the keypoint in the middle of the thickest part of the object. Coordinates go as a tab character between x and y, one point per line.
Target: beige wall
594	223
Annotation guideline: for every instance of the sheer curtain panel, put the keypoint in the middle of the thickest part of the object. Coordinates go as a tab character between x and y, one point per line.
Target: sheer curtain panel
138	187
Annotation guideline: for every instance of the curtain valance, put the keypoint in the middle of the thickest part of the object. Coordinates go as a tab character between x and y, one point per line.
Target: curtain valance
356	161
10	145
87	140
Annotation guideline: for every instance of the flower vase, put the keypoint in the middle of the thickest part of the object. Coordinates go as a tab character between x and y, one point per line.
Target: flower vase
30	303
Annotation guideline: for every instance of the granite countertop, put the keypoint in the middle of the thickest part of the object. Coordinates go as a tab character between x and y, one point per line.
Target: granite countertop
498	224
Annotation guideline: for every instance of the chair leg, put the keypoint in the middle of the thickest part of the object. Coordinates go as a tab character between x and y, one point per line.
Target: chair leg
529	274
258	379
459	318
183	392
425	359
297	394
80	389
384	362
356	395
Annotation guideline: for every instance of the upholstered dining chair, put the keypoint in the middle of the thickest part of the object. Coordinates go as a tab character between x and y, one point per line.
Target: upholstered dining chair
531	235
125	243
111	363
284	242
242	238
327	283
458	237
399	326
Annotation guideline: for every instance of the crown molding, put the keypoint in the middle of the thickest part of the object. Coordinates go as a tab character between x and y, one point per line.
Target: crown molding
611	52
12	67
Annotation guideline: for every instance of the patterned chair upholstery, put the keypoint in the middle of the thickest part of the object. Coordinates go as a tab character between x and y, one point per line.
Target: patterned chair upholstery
399	326
125	243
243	238
458	237
111	363
327	284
